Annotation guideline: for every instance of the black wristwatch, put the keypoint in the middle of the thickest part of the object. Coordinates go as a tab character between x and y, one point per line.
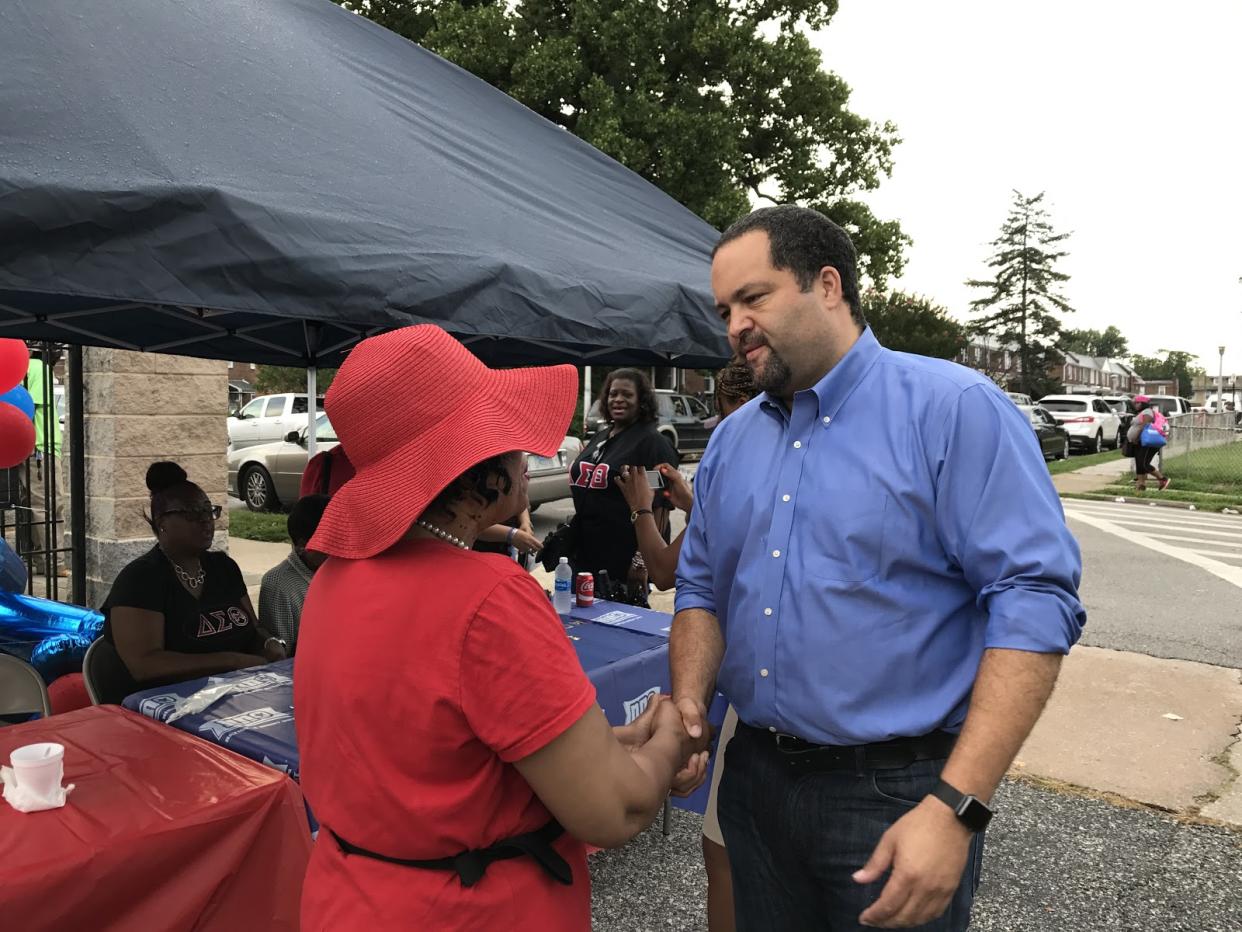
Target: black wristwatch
969	811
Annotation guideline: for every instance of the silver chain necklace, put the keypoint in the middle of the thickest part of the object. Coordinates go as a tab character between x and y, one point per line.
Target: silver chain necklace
443	535
192	581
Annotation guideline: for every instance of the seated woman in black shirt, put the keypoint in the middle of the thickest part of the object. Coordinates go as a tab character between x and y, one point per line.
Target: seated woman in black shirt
181	611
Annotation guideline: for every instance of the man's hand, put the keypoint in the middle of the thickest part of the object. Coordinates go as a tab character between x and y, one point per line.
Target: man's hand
693	716
273	650
691	776
926	851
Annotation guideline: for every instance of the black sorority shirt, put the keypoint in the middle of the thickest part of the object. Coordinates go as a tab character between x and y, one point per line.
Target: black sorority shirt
216	621
606	538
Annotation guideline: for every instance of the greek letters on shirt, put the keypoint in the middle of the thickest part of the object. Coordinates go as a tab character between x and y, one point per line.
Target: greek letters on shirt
220	621
592	476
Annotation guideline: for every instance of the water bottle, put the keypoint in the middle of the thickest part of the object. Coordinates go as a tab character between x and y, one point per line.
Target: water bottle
563	595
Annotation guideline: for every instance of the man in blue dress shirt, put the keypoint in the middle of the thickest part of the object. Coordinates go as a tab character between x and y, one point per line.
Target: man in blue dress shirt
878	575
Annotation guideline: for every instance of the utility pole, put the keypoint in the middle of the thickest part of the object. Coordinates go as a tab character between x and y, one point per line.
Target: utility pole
1220	386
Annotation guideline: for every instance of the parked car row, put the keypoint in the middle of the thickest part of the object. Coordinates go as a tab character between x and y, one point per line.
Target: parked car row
1088	423
267	476
268	418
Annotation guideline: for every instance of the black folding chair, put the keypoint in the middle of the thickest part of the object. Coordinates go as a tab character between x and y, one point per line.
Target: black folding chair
107	678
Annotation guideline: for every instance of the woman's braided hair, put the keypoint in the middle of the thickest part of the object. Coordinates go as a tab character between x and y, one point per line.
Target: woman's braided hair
735	382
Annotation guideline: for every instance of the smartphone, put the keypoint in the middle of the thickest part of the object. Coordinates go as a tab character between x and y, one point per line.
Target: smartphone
654	479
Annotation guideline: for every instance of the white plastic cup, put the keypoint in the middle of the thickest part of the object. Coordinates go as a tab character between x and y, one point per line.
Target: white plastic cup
39	768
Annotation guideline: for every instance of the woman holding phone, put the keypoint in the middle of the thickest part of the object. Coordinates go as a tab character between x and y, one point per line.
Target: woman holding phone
605	537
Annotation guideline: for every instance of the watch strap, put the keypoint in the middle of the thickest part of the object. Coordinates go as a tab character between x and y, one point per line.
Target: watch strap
972	813
634	515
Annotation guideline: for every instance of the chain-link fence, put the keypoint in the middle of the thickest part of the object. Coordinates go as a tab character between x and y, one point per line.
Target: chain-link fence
1204	453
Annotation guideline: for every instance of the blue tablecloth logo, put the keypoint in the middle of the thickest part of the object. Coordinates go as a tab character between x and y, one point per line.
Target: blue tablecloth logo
636	706
224	728
158	707
251	684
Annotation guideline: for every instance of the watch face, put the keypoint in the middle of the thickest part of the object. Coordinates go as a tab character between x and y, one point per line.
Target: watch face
974	814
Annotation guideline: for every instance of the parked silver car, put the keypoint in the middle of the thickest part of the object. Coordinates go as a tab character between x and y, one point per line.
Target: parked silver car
268	476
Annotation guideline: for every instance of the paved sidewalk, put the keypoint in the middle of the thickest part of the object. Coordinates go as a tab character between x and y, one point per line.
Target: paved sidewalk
1093	478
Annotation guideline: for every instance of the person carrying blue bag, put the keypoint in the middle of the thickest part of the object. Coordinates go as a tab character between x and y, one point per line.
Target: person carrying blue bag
1149	431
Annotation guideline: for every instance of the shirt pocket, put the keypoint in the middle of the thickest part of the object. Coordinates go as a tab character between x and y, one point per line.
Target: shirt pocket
845	536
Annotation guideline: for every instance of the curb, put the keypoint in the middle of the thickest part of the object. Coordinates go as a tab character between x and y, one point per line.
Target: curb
1142	502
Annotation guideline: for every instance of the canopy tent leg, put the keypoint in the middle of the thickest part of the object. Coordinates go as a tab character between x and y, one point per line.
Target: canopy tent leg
77	477
311	329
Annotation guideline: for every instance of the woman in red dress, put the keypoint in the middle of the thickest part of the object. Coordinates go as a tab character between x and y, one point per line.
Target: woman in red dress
451	746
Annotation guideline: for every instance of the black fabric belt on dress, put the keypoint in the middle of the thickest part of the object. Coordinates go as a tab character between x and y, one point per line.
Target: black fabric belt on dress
882	755
470	866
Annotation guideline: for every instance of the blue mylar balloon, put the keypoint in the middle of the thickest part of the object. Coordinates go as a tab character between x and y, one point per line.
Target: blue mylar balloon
19	398
59	654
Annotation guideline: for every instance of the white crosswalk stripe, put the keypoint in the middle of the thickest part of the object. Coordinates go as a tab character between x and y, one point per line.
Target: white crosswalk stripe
1210	541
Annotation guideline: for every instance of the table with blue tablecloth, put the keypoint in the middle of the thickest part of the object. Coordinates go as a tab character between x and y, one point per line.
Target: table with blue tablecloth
627	663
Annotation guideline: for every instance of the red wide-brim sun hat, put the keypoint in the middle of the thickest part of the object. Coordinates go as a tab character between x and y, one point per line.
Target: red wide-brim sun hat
414	409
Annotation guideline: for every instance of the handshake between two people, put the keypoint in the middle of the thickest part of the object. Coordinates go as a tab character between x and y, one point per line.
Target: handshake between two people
663	720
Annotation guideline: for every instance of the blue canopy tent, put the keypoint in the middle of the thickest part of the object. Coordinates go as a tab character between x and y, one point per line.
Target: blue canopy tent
272	182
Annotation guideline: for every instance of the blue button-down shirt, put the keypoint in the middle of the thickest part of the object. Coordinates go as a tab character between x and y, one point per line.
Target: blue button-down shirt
862	550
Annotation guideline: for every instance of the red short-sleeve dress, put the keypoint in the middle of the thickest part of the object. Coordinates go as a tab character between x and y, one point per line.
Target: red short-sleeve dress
421	676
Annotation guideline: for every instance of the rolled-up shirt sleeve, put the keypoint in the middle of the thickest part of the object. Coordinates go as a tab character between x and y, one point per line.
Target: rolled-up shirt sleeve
694	571
1000	520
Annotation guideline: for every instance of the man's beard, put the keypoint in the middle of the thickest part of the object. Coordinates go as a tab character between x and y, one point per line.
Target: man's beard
776	375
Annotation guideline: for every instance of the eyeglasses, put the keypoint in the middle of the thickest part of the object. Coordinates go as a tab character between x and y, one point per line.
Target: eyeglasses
209	513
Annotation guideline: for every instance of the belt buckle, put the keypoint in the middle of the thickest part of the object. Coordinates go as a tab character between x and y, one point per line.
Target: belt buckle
785	743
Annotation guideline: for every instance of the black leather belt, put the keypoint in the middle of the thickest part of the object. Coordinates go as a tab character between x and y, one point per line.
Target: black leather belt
882	755
470	866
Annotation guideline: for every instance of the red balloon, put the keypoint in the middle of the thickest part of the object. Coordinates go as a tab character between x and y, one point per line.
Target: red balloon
17	436
14	361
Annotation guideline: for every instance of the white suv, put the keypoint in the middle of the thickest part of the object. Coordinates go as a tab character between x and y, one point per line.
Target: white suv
1090	422
267	419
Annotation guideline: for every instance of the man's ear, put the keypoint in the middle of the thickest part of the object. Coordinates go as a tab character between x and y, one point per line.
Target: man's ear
830	285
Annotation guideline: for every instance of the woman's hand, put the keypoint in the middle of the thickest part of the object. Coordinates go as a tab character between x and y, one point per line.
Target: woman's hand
638	732
242	661
273	650
677	490
525	541
633	485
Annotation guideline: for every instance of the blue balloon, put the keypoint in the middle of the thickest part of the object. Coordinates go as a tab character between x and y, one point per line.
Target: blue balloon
19	398
60	654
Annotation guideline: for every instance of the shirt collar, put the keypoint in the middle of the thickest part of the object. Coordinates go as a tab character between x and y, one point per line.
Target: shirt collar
300	565
832	391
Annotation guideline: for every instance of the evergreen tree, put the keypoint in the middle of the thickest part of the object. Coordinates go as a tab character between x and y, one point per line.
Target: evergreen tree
1022	303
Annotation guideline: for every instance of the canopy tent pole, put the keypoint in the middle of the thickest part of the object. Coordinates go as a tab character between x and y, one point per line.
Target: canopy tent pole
77	477
586	397
312	392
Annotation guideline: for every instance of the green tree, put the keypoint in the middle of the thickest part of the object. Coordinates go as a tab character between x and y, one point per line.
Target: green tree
1109	344
718	102
912	324
1176	364
1021	303
274	380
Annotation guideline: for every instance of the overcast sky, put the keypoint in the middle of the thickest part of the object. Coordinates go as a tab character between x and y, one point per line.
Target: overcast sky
1129	116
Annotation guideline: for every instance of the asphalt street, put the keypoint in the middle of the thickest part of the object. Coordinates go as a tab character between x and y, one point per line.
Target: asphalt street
1151	602
1053	863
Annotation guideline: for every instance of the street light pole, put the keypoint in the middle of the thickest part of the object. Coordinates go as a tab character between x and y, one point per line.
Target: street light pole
1220	386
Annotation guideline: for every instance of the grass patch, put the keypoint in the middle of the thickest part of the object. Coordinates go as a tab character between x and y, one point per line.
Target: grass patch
1210	479
254	525
1079	462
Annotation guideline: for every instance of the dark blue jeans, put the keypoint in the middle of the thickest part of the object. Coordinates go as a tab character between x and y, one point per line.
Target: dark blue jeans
795	839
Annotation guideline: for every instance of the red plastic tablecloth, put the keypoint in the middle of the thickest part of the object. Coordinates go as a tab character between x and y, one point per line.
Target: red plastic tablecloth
163	832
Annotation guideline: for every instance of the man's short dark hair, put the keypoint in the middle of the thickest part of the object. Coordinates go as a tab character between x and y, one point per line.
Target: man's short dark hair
804	241
304	517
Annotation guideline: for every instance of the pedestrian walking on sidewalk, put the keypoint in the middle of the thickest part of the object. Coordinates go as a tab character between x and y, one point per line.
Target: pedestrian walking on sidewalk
884	598
1145	454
